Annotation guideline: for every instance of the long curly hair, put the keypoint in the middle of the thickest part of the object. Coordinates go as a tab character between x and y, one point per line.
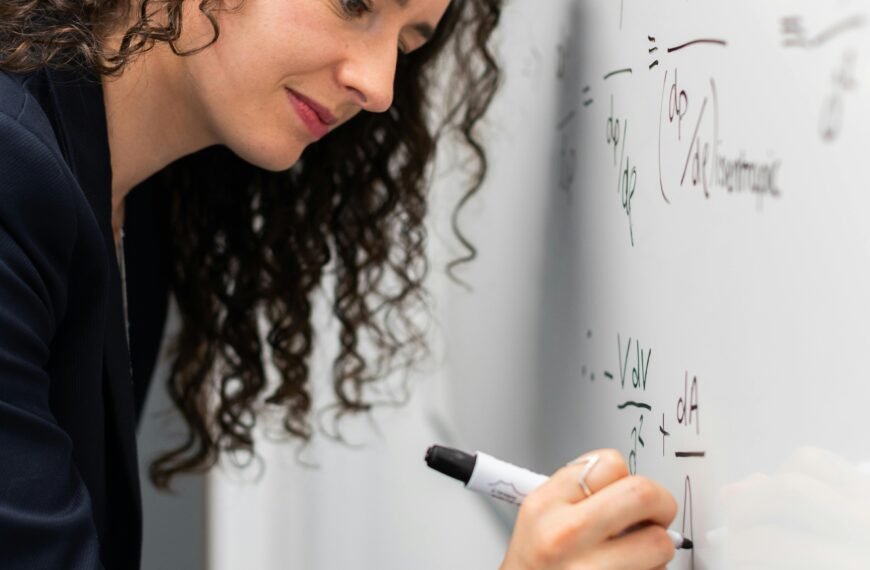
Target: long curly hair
251	247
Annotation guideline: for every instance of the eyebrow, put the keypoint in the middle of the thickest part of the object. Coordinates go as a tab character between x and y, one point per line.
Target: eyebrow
424	29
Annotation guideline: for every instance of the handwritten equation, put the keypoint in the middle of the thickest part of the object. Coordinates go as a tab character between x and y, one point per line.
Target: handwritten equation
662	117
837	37
697	153
680	415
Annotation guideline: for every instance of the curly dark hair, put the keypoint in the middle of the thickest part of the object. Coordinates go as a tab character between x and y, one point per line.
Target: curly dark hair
252	246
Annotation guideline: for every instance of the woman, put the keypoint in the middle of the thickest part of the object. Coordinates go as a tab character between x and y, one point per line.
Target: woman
204	107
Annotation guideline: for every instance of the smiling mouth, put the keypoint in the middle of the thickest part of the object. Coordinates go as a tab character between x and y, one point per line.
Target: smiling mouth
316	118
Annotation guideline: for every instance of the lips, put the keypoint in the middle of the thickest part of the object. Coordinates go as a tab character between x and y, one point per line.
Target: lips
314	116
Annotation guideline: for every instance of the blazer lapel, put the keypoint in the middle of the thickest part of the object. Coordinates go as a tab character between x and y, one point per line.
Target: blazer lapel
81	117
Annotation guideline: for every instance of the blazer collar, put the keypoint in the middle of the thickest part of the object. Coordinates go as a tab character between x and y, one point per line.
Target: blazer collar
79	120
80	125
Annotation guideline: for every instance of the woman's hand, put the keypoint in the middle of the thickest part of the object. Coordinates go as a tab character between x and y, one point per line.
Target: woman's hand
560	528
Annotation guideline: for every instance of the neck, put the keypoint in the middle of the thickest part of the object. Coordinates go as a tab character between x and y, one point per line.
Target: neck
151	119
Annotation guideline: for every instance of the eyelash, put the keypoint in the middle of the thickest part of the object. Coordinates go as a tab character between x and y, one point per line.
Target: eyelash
355	8
358	9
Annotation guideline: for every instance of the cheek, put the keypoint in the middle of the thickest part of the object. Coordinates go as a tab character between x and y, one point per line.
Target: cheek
267	41
239	81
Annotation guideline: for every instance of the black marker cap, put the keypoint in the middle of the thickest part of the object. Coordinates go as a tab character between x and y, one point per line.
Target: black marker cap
451	462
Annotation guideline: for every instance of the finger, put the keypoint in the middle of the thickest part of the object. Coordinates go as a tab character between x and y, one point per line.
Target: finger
623	504
598	468
648	547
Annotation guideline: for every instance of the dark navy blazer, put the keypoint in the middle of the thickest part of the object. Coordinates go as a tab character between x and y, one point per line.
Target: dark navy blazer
69	401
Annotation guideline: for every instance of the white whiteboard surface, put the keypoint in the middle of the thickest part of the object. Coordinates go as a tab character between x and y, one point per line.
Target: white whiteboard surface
722	242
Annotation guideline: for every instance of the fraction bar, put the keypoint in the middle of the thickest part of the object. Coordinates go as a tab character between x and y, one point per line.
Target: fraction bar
634	405
695	42
856	22
617	72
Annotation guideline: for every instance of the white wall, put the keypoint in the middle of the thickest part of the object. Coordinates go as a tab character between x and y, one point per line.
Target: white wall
174	524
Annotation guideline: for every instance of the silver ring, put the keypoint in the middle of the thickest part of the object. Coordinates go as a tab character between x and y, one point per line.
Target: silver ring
591	461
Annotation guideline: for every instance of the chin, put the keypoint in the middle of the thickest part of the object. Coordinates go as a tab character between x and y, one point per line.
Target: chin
271	155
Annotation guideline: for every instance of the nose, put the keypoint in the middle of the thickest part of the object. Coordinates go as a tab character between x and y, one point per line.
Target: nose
369	72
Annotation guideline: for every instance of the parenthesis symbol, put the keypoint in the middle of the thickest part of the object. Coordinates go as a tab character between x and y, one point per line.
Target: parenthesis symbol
661	110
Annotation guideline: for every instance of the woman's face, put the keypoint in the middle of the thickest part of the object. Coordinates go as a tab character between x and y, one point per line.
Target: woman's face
285	72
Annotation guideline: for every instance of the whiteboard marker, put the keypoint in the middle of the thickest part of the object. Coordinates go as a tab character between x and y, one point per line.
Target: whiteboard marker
490	476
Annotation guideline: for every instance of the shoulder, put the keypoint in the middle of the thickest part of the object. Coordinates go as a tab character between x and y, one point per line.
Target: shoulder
25	117
41	200
12	92
30	158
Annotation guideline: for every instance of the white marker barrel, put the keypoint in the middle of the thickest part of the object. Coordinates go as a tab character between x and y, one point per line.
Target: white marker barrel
503	480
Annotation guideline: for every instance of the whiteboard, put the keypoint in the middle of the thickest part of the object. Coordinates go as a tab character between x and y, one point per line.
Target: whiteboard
675	262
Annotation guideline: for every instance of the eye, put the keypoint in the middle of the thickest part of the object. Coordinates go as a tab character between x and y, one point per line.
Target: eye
355	8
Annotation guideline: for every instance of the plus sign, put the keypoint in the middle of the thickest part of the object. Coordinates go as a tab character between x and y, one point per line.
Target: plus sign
665	434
